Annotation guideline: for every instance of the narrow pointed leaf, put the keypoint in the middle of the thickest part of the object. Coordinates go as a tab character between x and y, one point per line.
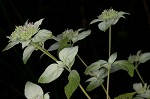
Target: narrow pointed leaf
126	96
144	57
74	81
94	21
10	45
27	53
51	73
53	46
112	58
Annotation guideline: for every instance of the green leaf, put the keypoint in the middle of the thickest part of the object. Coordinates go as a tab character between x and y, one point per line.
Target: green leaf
67	55
10	45
25	43
94	66
74	81
126	96
124	65
38	23
81	36
33	90
94	83
144	57
51	73
42	36
112	58
27	53
94	21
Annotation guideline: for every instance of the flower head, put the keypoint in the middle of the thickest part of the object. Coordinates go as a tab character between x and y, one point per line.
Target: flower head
107	18
23	34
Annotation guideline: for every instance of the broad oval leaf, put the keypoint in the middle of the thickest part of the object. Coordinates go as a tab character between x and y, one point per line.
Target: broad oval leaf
27	53
112	58
67	55
144	57
33	90
42	36
124	65
74	81
51	73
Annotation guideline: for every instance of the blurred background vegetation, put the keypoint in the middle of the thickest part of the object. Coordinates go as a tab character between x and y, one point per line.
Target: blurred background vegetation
128	36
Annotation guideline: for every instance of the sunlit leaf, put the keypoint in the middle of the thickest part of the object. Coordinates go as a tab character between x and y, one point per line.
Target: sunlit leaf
51	73
10	45
112	58
74	81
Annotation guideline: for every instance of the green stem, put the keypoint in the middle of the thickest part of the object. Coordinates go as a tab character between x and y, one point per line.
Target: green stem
108	75
84	91
44	51
105	90
139	75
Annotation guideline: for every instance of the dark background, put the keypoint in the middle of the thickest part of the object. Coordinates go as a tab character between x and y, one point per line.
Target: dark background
128	36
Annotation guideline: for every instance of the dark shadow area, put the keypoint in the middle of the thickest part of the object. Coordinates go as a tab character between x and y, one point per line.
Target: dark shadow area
128	36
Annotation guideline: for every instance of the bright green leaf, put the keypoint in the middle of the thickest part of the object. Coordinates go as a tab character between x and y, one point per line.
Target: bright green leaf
51	73
74	81
124	65
126	96
27	53
144	57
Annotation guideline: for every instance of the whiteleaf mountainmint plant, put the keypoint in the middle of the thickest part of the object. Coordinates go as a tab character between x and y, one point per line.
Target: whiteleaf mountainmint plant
32	38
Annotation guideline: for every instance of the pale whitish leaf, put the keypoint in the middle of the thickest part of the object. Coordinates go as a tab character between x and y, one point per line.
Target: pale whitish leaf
138	87
126	96
51	73
145	95
138	97
53	46
94	66
112	58
124	65
94	21
27	53
25	43
144	57
33	90
42	36
38	23
81	36
46	96
67	55
10	45
94	83
105	25
74	81
107	66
